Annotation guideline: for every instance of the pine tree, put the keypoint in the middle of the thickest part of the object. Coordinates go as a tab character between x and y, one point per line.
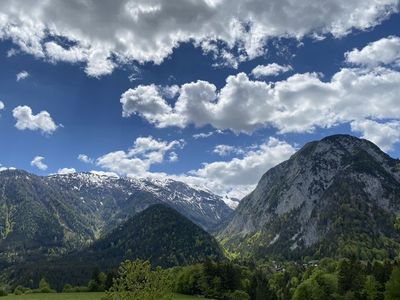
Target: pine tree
392	291
371	288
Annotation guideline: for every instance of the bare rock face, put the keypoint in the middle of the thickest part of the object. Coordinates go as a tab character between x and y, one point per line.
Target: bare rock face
334	197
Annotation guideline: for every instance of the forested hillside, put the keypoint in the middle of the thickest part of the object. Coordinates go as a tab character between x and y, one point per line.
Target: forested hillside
158	234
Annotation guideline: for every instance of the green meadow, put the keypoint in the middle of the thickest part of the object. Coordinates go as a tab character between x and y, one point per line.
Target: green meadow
77	296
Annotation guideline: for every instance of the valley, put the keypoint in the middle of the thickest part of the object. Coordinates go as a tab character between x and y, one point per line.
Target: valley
331	208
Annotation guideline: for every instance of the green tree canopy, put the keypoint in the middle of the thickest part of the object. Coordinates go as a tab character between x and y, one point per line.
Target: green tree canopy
392	291
137	281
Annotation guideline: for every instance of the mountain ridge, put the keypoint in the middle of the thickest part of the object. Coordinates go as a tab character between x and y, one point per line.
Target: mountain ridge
301	202
55	214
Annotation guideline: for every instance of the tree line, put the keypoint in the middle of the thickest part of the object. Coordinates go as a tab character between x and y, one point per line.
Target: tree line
336	279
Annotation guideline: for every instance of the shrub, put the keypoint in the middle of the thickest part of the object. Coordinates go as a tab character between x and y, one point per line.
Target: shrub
44	287
238	295
19	290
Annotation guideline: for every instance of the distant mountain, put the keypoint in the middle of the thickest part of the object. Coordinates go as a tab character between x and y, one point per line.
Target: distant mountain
116	198
159	234
50	215
335	197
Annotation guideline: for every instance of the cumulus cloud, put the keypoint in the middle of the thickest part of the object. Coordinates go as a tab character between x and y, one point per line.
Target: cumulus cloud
65	171
145	152
239	176
71	55
301	103
86	159
1	105
27	120
147	102
22	75
385	135
269	70
250	168
385	51
234	178
148	31
98	62
38	163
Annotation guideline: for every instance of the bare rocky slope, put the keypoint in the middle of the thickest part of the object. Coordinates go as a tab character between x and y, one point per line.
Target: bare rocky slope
335	197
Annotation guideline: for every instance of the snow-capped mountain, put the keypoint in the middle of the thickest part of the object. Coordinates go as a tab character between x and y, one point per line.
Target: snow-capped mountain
119	197
61	212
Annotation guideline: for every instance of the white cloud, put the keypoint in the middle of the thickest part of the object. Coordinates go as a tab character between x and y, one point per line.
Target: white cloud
269	70
203	135
145	152
1	106
65	171
385	135
239	176
22	75
26	120
71	55
173	157
300	103
234	178
250	168
385	51
38	163
136	74
148	31
12	52
86	159
224	150
147	102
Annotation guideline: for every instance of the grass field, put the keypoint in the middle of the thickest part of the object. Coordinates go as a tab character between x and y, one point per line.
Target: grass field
76	296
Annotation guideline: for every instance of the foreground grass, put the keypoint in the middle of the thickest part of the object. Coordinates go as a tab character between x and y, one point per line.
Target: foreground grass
185	297
58	296
77	296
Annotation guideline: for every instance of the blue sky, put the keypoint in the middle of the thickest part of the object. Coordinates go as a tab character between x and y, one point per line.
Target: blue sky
308	87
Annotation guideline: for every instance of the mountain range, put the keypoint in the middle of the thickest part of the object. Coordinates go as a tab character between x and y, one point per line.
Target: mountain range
55	214
337	197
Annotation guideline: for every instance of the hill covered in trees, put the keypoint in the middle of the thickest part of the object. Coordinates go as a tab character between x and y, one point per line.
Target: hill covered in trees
159	234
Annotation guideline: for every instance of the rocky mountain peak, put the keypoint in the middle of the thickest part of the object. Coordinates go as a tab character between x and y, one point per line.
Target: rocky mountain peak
289	205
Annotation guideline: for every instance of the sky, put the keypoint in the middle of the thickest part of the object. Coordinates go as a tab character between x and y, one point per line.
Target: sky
210	92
